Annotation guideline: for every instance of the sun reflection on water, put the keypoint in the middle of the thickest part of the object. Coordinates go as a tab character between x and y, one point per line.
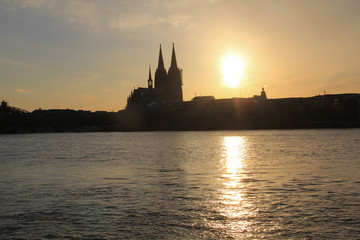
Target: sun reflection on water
235	153
234	204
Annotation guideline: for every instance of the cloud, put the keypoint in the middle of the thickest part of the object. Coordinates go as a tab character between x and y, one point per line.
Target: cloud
76	11
87	77
128	21
86	80
17	63
23	91
27	3
181	4
76	97
83	12
33	3
119	15
179	20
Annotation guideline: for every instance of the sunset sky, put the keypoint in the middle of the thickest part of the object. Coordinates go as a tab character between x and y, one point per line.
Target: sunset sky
88	54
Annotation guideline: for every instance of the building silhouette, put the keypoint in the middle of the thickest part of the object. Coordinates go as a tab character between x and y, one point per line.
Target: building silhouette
173	85
166	87
160	107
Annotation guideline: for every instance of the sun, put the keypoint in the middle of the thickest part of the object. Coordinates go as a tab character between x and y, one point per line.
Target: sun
232	69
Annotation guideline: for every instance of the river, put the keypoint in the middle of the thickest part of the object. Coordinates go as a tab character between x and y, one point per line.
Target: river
272	184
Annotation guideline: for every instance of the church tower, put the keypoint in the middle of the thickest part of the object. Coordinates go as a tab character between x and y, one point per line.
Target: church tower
150	81
160	74
263	94
174	86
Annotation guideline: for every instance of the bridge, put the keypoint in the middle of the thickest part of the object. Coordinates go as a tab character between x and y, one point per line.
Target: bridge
4	107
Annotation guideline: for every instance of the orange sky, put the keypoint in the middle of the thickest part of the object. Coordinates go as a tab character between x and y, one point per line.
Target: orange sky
87	54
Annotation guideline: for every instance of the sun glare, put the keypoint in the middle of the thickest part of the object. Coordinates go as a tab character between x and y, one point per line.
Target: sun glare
233	70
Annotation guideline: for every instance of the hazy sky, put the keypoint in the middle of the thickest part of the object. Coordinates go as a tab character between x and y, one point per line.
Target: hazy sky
89	54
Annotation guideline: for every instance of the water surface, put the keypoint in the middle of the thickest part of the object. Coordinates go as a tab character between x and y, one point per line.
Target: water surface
279	184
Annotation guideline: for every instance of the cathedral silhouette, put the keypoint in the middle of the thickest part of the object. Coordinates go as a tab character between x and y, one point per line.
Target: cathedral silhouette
168	85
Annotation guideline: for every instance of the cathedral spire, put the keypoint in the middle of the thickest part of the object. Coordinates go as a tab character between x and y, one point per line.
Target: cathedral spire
173	58
150	81
174	88
160	73
161	61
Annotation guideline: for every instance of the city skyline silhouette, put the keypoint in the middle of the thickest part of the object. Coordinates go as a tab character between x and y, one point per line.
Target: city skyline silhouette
89	55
